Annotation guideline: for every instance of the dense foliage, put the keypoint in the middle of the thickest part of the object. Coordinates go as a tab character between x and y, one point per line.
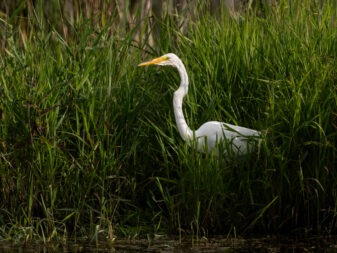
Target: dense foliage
89	145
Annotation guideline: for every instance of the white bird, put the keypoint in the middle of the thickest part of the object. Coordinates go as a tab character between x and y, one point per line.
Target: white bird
237	140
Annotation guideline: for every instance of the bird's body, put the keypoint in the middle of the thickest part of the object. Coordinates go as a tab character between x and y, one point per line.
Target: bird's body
235	139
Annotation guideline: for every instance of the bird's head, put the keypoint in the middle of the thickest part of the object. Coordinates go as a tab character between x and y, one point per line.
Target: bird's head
164	60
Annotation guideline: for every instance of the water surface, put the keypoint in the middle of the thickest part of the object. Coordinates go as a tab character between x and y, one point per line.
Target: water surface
261	245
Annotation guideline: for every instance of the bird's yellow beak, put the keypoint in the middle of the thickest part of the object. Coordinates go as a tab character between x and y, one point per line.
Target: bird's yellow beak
154	61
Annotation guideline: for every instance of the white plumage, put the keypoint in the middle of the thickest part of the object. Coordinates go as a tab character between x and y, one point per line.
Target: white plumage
239	140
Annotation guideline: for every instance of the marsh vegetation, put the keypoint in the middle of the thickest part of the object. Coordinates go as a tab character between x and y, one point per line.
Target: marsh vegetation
88	142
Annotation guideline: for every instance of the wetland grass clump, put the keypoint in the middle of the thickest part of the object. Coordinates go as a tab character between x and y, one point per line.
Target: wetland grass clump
89	146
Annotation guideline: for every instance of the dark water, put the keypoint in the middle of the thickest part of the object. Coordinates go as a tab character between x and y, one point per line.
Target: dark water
261	245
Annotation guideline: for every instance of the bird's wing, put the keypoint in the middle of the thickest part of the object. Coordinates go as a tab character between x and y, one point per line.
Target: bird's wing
241	131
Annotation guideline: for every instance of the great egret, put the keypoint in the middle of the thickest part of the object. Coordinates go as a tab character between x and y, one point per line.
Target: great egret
212	133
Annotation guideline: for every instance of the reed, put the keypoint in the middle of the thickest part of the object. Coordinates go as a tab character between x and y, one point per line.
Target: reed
89	146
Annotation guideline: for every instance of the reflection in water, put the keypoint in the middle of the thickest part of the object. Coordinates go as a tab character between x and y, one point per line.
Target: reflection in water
261	245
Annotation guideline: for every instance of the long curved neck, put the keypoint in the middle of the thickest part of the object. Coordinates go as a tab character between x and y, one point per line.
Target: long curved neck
184	131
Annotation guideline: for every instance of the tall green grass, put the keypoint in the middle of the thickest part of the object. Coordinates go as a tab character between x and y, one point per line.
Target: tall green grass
89	145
